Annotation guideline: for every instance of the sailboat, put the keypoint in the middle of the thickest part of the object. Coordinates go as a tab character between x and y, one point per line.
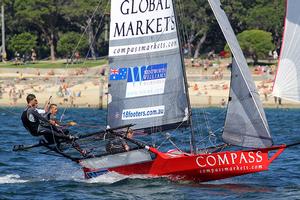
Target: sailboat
148	88
287	81
148	92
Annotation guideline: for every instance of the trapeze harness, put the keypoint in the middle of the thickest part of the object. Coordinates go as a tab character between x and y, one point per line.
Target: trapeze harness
38	125
31	121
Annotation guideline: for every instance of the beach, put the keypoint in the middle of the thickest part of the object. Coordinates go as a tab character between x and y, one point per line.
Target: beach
87	87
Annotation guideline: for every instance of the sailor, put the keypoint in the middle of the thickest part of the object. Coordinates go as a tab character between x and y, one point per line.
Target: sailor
51	115
118	144
33	120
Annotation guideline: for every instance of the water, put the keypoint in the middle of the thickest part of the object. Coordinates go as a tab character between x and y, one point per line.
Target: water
31	175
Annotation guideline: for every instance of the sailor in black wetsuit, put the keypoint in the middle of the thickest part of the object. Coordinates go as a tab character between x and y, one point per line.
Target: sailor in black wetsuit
51	115
118	144
32	121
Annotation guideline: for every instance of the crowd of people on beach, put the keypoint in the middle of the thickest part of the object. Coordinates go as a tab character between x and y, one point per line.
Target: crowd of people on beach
13	93
213	72
25	58
211	69
68	87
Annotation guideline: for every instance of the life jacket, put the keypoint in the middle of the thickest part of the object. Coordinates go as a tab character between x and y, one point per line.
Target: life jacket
31	127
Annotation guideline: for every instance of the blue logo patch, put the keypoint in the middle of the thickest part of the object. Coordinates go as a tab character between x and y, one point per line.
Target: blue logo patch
145	73
96	173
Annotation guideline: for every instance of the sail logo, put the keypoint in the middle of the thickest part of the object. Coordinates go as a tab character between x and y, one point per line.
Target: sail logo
136	18
143	48
146	80
142	113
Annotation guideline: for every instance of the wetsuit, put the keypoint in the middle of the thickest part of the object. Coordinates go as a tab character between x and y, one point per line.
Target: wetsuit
59	128
116	145
33	121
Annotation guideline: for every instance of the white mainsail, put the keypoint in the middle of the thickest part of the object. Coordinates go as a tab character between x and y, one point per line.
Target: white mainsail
287	81
246	124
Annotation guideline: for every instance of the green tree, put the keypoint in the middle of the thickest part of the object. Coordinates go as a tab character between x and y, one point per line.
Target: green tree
237	12
45	16
22	43
268	16
256	43
90	17
194	24
71	41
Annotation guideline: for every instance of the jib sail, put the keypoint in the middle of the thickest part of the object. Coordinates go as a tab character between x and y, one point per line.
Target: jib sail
245	124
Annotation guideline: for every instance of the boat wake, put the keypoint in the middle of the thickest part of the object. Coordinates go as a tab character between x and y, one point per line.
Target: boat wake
11	178
108	178
112	177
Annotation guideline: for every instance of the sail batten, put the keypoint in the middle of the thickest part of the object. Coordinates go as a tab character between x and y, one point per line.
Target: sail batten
287	81
245	123
146	79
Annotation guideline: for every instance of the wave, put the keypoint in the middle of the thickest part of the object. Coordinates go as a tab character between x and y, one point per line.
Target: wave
11	178
113	177
108	178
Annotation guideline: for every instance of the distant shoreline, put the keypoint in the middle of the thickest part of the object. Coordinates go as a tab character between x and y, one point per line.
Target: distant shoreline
87	87
284	106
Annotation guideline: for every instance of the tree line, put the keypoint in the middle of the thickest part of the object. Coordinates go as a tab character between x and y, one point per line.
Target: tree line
54	27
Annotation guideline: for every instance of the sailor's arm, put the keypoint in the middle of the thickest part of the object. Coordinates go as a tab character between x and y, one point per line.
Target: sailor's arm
125	145
127	148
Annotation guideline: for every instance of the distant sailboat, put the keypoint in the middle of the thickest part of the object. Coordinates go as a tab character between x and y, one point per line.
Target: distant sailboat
287	81
148	92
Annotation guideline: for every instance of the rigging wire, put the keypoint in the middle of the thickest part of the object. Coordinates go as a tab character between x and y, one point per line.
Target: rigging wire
211	136
93	40
181	18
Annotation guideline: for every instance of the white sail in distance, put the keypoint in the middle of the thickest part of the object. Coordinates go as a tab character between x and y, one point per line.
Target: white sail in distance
287	80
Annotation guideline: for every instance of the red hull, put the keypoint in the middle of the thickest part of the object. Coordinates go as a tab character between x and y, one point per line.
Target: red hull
199	167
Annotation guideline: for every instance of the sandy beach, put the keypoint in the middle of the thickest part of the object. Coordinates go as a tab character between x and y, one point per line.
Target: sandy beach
86	87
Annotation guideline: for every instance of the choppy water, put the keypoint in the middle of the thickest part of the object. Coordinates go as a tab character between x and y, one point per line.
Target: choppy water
30	175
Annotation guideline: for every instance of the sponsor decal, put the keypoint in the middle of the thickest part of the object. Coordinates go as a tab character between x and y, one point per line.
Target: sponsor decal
146	80
230	162
94	174
142	113
135	18
143	48
117	74
232	169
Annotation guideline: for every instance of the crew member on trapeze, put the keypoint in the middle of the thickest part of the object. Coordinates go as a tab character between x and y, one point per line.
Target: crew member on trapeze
37	125
50	114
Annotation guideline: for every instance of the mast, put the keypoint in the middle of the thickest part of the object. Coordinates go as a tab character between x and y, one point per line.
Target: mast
192	138
3	33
